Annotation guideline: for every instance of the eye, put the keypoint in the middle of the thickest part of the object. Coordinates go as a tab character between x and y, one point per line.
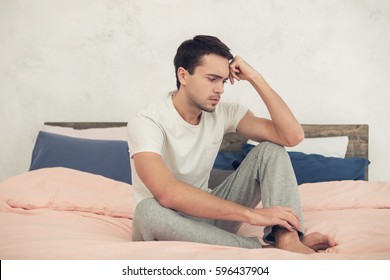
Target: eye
212	79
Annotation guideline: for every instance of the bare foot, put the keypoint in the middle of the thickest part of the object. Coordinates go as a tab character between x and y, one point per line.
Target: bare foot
289	240
318	241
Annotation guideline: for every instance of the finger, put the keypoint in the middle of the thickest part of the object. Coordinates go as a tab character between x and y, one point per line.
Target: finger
286	225
231	79
234	71
296	224
292	220
234	67
290	210
236	77
286	219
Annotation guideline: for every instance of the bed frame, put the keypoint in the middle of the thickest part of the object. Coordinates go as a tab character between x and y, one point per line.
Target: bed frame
357	134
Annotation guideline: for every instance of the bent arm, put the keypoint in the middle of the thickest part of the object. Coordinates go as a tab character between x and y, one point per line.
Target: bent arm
283	128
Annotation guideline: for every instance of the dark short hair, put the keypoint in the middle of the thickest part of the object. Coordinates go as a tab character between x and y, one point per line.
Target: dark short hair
190	52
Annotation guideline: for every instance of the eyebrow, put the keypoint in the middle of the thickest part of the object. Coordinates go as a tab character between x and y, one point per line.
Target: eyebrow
217	76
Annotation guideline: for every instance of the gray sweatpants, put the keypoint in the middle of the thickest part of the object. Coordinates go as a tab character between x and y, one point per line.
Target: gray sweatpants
264	175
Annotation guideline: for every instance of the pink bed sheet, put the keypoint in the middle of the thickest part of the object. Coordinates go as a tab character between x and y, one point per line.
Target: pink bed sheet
59	213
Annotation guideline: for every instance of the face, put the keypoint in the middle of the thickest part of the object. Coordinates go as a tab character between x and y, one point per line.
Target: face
206	85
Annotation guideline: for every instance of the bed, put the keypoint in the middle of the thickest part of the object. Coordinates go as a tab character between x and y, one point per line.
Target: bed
75	202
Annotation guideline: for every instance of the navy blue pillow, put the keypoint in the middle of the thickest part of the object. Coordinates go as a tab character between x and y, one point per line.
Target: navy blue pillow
311	168
109	158
228	160
246	148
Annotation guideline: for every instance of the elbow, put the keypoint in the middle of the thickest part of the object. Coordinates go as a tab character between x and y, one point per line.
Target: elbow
295	138
166	200
171	195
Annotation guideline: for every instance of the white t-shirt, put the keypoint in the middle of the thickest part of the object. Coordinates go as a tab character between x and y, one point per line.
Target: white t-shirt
189	151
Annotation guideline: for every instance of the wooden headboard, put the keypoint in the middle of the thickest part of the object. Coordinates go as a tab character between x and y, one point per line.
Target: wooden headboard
357	134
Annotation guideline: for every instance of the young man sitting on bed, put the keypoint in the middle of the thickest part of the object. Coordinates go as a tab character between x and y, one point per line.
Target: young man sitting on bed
174	142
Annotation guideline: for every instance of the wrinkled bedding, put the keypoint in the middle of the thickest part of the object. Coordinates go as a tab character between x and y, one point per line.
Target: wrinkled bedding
60	213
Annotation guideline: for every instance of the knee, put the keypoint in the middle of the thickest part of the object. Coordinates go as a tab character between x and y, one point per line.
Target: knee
269	148
266	152
144	218
145	209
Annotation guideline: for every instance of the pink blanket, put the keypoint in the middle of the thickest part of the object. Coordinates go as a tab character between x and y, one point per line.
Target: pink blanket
59	213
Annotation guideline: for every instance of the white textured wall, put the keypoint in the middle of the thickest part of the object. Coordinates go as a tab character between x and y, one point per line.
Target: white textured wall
102	60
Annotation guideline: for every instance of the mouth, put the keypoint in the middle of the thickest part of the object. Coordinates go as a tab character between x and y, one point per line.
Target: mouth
214	101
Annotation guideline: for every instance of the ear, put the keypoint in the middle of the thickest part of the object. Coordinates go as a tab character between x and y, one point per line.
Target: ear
182	75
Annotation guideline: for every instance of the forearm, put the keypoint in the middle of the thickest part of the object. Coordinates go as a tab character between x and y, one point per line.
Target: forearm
284	122
198	203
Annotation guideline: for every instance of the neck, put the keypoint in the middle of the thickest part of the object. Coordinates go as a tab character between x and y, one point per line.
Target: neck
186	110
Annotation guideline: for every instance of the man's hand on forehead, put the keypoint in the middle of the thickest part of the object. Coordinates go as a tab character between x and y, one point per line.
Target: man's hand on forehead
240	70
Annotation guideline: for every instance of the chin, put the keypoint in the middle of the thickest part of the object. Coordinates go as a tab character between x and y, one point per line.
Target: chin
209	110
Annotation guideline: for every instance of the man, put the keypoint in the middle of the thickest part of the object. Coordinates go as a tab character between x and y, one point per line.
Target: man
174	142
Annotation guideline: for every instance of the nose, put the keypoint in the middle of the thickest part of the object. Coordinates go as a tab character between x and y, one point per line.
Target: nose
219	88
